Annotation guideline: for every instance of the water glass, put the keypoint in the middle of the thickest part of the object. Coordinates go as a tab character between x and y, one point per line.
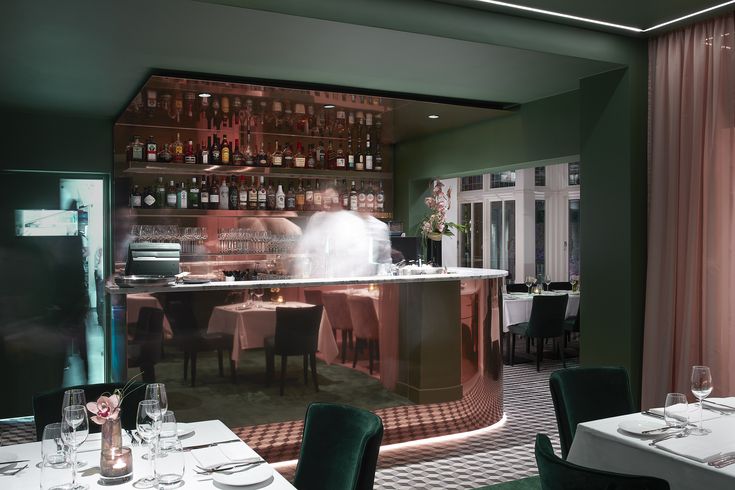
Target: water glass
53	475
148	425
168	427
676	410
701	388
170	464
52	446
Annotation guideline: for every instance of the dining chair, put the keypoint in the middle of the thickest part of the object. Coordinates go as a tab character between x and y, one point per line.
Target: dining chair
192	340
546	321
339	448
560	286
144	351
365	326
516	288
47	405
338	312
558	474
297	334
582	394
571	325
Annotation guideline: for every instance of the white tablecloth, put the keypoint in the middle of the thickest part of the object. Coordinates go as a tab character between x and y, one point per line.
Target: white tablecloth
601	445
204	433
250	327
139	300
517	308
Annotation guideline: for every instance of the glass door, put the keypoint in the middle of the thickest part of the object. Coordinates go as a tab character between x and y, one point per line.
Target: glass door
471	242
503	237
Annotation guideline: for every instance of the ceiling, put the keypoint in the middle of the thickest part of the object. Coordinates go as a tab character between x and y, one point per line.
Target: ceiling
642	14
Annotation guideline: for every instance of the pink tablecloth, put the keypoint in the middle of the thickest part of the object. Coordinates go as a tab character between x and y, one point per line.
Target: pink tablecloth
250	326
139	300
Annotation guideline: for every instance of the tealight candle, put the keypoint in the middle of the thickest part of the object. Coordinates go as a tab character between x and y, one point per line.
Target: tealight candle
116	465
280	299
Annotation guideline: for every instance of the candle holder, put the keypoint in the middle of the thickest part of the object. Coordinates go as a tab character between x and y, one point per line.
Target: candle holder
116	461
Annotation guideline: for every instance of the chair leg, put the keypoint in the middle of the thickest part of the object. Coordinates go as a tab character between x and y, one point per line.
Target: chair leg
306	369
312	361
284	365
219	362
355	349
233	371
563	359
528	345
186	365
344	346
193	368
349	337
512	348
539	353
370	354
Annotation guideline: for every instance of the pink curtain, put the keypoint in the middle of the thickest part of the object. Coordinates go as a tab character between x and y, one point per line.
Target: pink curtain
690	299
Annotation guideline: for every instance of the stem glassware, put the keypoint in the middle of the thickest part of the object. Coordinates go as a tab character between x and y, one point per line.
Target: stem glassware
701	388
74	431
258	293
157	391
148	425
529	283
547	281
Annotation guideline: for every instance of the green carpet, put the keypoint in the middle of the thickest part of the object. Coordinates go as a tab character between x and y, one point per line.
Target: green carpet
249	402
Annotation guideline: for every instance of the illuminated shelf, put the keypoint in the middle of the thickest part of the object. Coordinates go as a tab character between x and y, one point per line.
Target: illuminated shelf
226	213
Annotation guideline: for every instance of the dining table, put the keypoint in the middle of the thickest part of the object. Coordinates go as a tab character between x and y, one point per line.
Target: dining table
136	301
224	445
250	324
685	461
517	306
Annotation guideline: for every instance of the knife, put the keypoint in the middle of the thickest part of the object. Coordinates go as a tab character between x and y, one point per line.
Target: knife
718	404
211	444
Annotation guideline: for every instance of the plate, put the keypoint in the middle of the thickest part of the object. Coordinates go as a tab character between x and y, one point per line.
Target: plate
186	280
184	429
639	426
250	476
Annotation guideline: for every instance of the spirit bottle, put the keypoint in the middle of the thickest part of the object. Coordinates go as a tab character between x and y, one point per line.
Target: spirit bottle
318	197
280	204
370	198
273	120
360	157
300	121
311	124
151	150
189	155
160	196
233	194
368	154
204	193
330	157
378	165
136	200
277	157
214	194
262	158
204	156
252	195
339	159
361	197
242	194
311	158
290	198
350	155
224	194
149	199
237	157
181	196
225	107
193	198
345	195
336	198
225	150
300	197
353	197
171	195
308	197
321	158
216	151
137	149
178	150
262	194
270	197
249	156
287	156
340	125
299	159
380	199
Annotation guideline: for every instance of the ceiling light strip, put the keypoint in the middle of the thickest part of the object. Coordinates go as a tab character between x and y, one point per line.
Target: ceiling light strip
693	14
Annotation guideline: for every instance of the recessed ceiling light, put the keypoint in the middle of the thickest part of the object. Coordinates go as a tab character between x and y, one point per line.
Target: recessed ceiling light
329	106
204	95
433	116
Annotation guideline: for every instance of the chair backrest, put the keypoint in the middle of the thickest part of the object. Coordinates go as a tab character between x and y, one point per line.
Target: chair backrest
47	406
547	315
516	288
337	310
149	333
575	328
560	286
339	448
365	323
558	474
297	330
181	317
589	393
313	296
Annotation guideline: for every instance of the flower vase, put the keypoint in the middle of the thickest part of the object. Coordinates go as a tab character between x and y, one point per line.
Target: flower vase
434	250
434	236
116	461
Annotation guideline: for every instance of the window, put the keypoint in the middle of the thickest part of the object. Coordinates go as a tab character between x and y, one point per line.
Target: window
503	179
540	176
503	236
540	232
471	183
574	237
470	242
573	172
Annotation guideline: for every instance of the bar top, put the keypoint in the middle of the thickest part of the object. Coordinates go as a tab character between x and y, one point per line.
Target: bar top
453	274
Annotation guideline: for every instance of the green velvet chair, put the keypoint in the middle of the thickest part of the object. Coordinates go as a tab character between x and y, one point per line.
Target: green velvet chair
558	474
546	321
584	394
339	449
47	406
530	483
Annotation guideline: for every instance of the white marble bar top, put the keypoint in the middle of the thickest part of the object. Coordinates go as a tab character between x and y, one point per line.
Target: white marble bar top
453	274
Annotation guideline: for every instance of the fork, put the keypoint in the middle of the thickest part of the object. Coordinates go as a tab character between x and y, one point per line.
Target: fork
683	433
235	468
14	471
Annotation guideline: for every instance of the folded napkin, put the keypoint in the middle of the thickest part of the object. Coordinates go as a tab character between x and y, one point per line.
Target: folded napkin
235	452
693	410
725	404
701	448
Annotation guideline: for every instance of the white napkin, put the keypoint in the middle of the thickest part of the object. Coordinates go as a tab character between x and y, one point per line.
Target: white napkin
235	452
701	448
725	402
693	410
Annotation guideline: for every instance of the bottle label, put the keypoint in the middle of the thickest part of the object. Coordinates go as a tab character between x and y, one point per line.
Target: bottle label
243	197
214	198
182	199
309	196
280	201
291	202
370	201
369	119
353	203
204	197
137	152
340	163
318	199
215	154
299	162
149	200
151	152
277	106
171	200
135	201
368	162
205	157
190	159
351	160
263	161
278	161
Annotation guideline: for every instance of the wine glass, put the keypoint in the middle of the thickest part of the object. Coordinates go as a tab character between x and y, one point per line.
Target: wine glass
74	431
701	388
529	283
148	425
676	410
258	293
573	281
547	281
157	391
74	397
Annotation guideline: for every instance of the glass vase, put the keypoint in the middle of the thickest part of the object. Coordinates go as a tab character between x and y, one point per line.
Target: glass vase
116	461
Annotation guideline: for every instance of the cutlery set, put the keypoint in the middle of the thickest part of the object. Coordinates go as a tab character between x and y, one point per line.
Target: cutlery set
230	468
13	470
722	461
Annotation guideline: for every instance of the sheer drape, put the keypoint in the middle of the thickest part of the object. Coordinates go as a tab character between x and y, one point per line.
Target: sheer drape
690	298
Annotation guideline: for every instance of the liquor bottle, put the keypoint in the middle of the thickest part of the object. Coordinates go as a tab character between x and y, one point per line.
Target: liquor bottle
351	124
204	193
280	203
225	150
273	119
182	195
151	150
350	155
262	158
136	200
340	162
321	160
189	155
224	194
318	197
160	195
308	197
300	197
233	194
370	198
277	157
248	155
225	107
300	121
378	165
290	198
330	157
359	157
287	120
237	156
171	196
215	151
204	156
311	157
270	197
215	115
380	199
262	194
164	153
345	195
178	150
353	197
311	125
242	195
287	156
214	194
361	197
368	154
340	125
252	194
299	159
149	199
194	196
336	197
137	149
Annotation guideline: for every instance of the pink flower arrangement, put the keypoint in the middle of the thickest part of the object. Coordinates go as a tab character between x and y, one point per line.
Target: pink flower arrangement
438	203
104	409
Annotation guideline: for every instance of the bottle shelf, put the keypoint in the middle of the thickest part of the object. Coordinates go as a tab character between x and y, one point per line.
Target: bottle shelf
158	168
226	213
